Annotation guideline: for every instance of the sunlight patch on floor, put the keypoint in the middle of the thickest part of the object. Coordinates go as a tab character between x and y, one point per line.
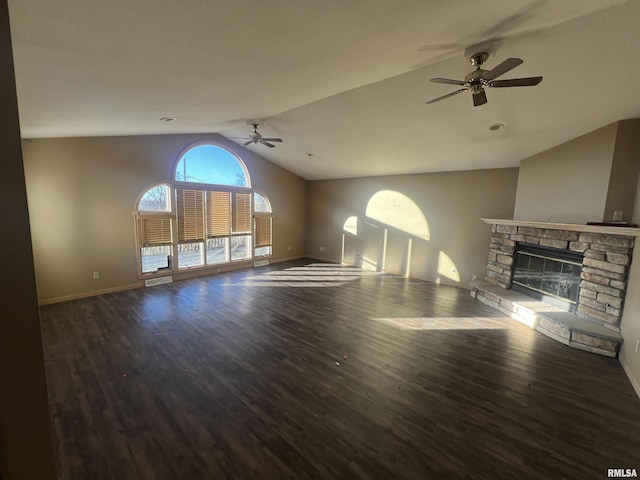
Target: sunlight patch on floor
308	277
312	275
447	323
289	283
538	306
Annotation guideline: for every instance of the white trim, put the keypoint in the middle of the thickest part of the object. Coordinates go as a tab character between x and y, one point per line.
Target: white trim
632	379
572	227
326	259
152	282
287	259
94	293
223	267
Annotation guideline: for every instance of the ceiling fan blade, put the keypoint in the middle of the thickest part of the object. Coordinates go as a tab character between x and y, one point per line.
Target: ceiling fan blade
447	95
516	82
247	143
272	139
479	98
447	81
267	143
503	68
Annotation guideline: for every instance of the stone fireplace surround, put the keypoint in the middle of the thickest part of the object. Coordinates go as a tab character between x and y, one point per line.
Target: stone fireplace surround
607	254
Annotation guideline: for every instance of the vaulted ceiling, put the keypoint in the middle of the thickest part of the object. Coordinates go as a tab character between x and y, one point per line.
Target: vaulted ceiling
343	82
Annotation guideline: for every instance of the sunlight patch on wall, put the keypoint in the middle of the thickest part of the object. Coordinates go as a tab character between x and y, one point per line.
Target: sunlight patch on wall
369	264
398	211
351	225
447	268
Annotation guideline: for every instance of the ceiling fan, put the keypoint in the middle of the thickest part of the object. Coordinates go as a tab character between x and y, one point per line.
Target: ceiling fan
477	80
256	137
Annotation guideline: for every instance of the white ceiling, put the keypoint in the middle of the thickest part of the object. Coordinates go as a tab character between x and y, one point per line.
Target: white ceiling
343	80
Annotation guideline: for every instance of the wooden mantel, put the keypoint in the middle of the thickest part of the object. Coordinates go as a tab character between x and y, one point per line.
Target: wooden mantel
571	227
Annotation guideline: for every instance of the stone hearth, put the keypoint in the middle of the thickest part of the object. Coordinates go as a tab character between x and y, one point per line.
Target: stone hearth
564	327
607	253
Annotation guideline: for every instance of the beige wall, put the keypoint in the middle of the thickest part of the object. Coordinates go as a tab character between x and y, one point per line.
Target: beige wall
568	183
625	170
25	429
451	204
630	324
82	192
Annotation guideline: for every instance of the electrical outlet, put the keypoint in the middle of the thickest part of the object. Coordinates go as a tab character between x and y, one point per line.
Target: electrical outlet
618	215
637	346
96	275
289	247
474	277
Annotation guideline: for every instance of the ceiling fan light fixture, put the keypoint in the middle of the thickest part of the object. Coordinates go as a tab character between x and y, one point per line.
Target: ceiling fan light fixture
167	119
494	127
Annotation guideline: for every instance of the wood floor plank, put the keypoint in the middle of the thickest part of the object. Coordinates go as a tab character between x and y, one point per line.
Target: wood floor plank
306	371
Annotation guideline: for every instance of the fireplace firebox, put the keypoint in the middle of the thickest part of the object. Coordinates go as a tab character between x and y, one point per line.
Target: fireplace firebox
548	274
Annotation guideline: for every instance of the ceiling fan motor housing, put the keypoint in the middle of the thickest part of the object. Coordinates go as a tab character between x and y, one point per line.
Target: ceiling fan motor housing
476	77
480	52
478	59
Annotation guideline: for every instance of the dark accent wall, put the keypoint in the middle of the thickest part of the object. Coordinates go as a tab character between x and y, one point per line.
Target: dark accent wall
25	430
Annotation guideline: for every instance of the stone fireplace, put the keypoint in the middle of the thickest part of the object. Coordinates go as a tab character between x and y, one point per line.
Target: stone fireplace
583	266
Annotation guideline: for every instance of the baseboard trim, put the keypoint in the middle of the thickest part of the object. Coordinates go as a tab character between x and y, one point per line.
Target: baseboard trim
287	259
632	379
321	259
93	293
177	276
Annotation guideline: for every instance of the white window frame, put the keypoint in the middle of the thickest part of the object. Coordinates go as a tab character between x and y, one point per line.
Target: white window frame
174	186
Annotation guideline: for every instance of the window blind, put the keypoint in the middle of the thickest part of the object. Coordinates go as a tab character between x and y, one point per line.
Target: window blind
190	206
154	232
263	230
218	214
241	213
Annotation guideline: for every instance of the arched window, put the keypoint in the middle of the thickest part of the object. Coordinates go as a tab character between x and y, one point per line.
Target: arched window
205	216
156	199
212	165
262	225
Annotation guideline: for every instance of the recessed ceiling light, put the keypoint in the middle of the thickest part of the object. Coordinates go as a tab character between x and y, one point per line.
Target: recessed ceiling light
167	119
494	127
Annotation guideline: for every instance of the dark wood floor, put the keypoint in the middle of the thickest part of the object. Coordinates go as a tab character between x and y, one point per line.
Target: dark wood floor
235	376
